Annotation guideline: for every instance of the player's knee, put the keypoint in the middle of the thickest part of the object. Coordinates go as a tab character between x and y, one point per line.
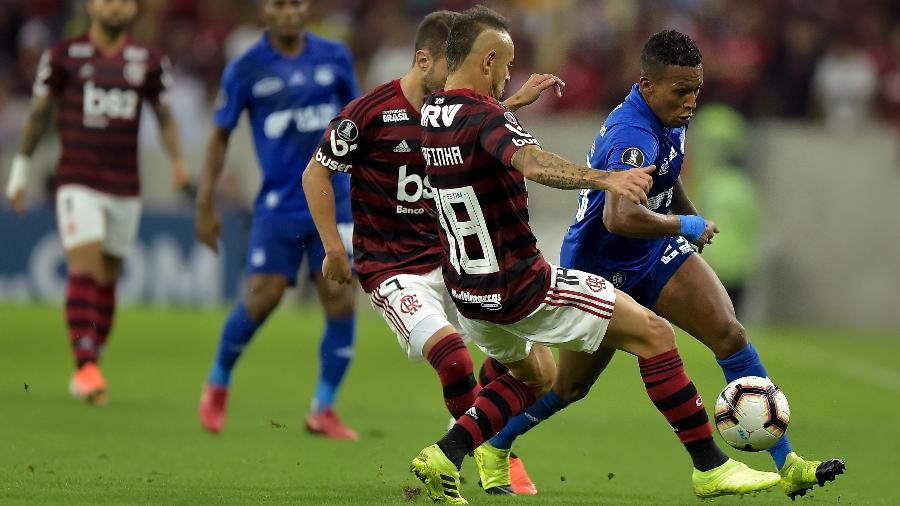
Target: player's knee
261	301
660	333
732	339
573	392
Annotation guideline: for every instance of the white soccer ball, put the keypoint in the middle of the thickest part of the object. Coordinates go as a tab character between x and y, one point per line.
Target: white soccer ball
752	413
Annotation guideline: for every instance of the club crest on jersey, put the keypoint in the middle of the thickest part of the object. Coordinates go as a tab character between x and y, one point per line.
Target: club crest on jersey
618	279
138	54
595	283
323	76
633	157
510	117
86	71
135	72
347	130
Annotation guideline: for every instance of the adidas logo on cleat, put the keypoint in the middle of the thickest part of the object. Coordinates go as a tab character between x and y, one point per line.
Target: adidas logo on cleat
403	147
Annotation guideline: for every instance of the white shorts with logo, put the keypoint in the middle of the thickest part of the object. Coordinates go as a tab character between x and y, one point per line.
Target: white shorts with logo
85	215
415	306
574	315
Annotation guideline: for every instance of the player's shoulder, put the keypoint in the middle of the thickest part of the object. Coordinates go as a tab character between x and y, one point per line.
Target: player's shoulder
327	48
78	47
139	53
363	108
625	123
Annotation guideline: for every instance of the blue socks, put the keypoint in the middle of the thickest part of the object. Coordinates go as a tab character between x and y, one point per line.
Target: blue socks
335	352
237	332
746	363
541	410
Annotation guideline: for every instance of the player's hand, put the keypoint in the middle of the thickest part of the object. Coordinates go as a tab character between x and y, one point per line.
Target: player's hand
336	267
179	174
706	238
17	200
15	187
532	90
633	184
207	227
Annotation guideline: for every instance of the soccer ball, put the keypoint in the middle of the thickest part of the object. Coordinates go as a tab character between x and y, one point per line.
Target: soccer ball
752	413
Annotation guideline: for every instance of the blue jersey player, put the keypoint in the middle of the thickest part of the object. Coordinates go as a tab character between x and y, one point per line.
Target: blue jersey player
645	250
291	83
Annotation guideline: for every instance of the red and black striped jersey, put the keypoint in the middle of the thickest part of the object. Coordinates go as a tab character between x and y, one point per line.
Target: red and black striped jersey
100	97
492	266
376	138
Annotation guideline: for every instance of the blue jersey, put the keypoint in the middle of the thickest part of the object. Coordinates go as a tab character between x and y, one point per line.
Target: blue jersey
632	136
290	103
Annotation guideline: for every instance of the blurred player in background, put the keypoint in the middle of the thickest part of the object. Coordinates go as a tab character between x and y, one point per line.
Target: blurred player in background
509	298
396	248
646	250
99	81
291	83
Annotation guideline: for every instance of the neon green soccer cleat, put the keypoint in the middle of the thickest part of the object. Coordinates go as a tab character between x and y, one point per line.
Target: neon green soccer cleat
798	475
732	478
493	469
440	476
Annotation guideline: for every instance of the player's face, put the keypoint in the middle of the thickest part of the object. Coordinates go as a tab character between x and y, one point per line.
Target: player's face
285	17
672	95
113	15
499	74
436	75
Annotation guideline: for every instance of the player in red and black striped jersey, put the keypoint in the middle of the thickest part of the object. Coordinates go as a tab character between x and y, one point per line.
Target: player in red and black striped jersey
509	298
99	82
396	249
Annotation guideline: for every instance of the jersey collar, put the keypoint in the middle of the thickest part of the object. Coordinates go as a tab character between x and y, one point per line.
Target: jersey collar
637	101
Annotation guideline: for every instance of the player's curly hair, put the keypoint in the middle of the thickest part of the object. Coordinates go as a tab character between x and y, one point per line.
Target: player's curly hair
433	31
467	26
669	47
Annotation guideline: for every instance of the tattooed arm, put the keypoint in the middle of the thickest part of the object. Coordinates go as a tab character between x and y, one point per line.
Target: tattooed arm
555	171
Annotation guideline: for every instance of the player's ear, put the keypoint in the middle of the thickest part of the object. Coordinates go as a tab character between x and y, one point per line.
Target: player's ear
645	83
487	62
423	59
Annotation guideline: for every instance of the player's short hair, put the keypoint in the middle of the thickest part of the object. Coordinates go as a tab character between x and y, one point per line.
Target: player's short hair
467	26
669	47
433	31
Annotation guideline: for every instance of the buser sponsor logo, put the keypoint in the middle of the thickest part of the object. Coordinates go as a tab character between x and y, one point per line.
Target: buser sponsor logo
331	163
112	103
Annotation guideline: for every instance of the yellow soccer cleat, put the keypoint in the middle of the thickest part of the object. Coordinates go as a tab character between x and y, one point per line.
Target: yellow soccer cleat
798	475
440	476
732	478
493	469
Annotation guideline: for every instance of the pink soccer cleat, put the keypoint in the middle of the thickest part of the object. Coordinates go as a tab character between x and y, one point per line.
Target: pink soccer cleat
326	423
521	483
87	384
212	407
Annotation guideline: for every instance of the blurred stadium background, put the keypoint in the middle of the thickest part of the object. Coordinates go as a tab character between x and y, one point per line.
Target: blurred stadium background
794	153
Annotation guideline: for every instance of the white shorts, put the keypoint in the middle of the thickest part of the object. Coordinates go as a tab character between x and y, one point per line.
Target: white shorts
415	306
574	315
85	215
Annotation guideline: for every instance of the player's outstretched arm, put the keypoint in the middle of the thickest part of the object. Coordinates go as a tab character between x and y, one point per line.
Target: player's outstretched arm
320	199
627	219
555	171
35	124
168	129
206	222
532	90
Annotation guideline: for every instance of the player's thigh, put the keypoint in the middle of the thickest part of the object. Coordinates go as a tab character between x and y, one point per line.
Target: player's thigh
82	228
637	330
264	292
412	307
695	300
578	371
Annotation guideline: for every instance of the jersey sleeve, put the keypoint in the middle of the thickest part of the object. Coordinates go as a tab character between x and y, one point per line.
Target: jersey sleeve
339	148
232	99
628	147
501	135
159	79
348	86
51	74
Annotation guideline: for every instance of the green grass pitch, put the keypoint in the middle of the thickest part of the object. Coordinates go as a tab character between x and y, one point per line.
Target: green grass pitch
146	446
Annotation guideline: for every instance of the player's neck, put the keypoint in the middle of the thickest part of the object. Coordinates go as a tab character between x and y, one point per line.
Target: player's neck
413	86
288	46
464	81
107	42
